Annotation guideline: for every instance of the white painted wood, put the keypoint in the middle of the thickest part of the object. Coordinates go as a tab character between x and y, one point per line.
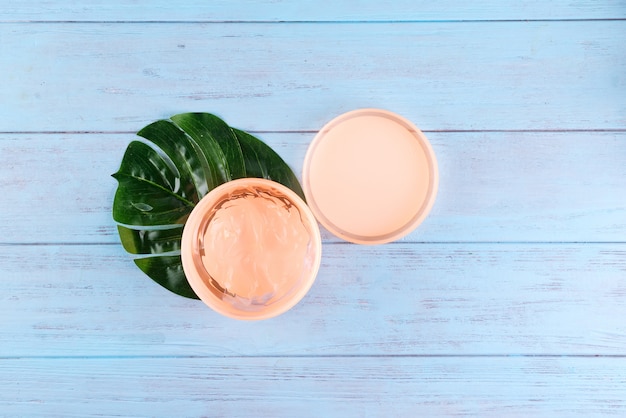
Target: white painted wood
423	299
314	387
284	77
493	187
309	10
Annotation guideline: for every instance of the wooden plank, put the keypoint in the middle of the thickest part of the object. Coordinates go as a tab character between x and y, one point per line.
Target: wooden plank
346	387
315	10
469	299
494	186
285	77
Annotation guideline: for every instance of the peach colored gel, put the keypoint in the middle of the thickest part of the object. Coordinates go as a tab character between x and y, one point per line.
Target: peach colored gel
251	249
370	176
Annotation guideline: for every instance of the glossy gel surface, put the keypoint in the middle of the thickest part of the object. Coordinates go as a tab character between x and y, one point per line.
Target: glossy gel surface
370	176
251	249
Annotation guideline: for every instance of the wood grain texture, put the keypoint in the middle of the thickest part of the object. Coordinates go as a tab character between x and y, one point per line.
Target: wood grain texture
442	76
394	299
494	186
309	10
508	301
313	387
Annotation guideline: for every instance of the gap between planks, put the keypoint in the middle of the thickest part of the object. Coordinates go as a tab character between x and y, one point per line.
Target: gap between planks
590	130
312	356
79	244
309	22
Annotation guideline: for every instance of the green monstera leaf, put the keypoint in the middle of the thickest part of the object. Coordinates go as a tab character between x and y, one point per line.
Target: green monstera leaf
163	177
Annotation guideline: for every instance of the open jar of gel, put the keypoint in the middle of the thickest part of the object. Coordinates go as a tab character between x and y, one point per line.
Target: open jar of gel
251	249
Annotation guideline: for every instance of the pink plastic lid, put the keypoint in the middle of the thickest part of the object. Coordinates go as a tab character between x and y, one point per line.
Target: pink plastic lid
370	176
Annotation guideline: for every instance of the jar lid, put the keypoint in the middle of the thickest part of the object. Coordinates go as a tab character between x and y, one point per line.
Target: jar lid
370	176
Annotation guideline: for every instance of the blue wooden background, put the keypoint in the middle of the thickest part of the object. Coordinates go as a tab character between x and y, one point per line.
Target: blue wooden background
509	300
